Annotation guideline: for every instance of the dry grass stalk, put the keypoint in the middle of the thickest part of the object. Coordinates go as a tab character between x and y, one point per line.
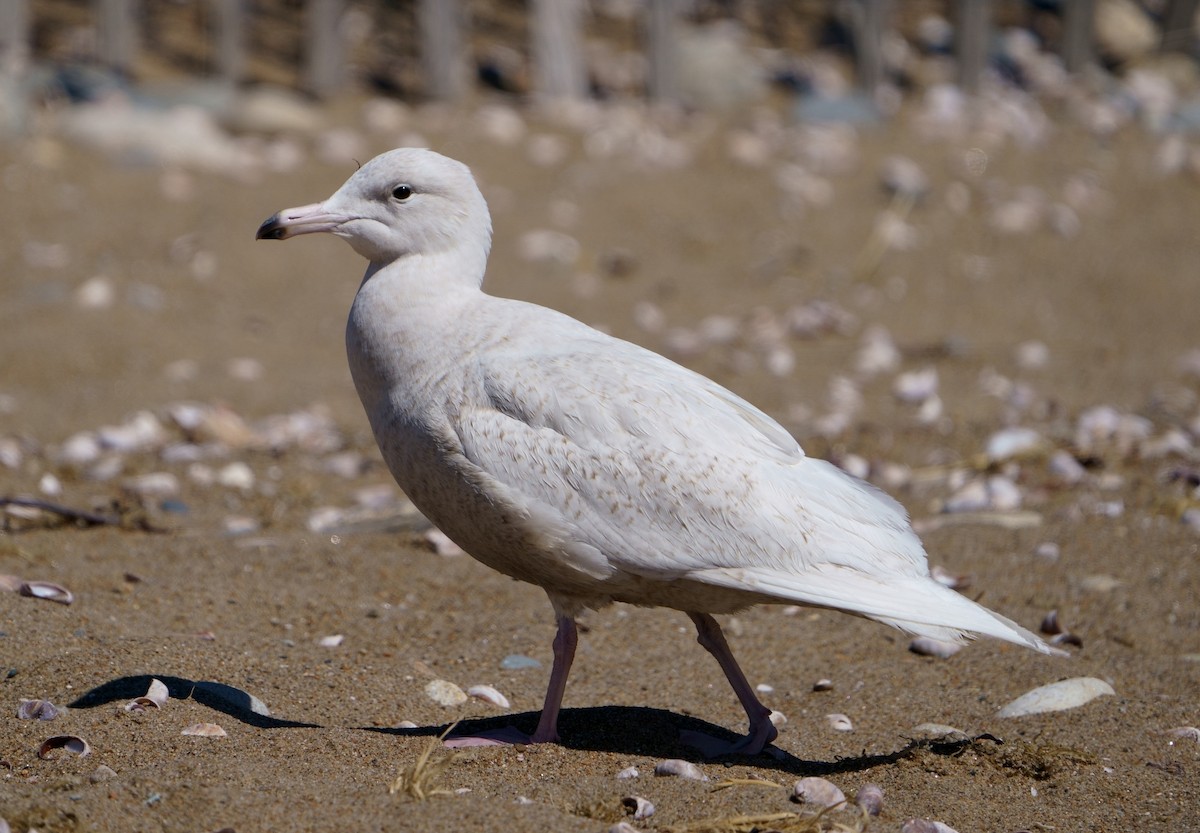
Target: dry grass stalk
417	781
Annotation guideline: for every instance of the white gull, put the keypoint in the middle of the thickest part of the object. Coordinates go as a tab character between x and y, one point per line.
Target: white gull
589	466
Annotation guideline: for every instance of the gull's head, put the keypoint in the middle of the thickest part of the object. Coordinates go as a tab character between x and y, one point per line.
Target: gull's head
404	202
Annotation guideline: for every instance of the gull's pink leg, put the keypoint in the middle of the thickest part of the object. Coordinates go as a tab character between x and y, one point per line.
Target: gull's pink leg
547	729
762	731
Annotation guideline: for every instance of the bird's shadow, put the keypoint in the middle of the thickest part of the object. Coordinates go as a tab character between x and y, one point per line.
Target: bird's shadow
629	730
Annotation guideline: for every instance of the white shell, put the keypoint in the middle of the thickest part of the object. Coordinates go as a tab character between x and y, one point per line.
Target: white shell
642	808
628	772
927	647
331	641
204	730
1066	694
870	798
839	722
445	693
680	769
818	791
489	695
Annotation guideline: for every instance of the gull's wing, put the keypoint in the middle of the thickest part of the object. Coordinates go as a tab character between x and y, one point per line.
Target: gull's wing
660	471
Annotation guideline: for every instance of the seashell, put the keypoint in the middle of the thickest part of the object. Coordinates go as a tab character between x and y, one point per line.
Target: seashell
489	695
204	730
628	772
928	647
870	798
1065	468
1065	694
818	791
940	731
640	807
1048	550
71	743
925	826
236	475
916	386
153	484
1012	442
778	719
406	724
445	693
47	590
514	662
155	697
680	769
240	525
37	710
1032	355
1184	732
230	695
623	827
102	773
839	722
331	641
823	684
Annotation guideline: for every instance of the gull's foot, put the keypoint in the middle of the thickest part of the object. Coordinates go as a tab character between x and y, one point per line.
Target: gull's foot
504	736
752	744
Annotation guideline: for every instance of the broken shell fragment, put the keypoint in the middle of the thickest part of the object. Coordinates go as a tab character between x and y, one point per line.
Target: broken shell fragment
628	772
680	769
47	590
204	730
638	806
819	792
488	695
870	798
927	647
839	722
72	743
1065	694
823	684
156	697
940	732
37	710
445	693
623	827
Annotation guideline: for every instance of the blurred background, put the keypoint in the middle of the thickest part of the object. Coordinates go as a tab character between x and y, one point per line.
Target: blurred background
897	226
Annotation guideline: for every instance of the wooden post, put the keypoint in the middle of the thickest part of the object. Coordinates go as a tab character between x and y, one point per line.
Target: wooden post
866	19
325	60
440	23
231	39
14	61
662	39
1178	32
557	34
972	35
1078	30
117	34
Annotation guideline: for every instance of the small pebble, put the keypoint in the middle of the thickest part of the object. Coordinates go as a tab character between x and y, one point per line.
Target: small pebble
331	641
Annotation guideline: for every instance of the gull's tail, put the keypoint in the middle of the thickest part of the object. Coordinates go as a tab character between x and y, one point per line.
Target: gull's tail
914	604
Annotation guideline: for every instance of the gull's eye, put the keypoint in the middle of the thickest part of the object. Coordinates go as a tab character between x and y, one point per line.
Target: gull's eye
402	192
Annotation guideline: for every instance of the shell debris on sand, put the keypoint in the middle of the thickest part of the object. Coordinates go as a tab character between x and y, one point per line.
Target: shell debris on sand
445	693
204	730
155	697
680	769
489	695
1065	694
